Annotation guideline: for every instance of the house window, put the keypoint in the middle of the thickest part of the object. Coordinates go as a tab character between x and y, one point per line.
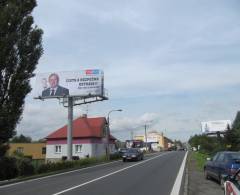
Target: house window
58	149
44	150
19	150
78	148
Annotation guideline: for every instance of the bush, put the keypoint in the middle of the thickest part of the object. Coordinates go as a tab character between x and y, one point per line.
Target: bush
25	167
75	158
57	166
64	158
44	168
115	156
49	167
8	168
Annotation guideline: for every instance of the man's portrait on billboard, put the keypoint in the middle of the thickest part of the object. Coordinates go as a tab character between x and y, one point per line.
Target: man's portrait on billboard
54	88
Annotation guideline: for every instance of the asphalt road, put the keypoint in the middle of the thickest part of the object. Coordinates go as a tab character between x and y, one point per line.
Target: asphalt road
156	174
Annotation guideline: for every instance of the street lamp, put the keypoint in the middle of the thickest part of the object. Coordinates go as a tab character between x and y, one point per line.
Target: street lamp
108	132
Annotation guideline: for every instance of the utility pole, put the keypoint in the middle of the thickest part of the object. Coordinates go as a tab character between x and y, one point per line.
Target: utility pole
132	134
146	135
108	132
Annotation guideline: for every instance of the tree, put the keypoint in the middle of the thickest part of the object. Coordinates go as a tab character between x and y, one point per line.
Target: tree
20	50
236	122
21	139
232	136
209	145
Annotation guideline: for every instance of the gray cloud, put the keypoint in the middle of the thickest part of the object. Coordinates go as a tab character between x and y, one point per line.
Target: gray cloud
176	59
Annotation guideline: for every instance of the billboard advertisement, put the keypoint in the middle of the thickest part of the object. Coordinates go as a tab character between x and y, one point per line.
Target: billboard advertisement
215	126
75	83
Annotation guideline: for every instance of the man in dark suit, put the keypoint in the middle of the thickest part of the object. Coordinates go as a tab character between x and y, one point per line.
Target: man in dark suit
54	89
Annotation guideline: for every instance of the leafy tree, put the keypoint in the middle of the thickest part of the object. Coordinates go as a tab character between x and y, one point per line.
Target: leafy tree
232	136
20	50
236	122
21	139
209	145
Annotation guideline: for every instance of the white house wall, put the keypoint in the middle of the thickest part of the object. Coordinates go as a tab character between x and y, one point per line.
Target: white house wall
91	150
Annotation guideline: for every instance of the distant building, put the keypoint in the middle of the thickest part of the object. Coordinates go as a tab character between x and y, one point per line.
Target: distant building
89	139
32	150
157	140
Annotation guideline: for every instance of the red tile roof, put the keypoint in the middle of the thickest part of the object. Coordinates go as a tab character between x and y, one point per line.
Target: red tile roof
83	127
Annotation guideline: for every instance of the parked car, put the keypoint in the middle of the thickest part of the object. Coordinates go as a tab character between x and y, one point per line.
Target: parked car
132	154
223	163
232	184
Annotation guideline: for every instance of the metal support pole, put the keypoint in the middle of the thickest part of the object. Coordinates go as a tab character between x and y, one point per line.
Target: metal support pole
146	136
108	133
69	128
107	137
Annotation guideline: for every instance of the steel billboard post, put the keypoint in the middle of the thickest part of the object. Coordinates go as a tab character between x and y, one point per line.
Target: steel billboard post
69	128
146	137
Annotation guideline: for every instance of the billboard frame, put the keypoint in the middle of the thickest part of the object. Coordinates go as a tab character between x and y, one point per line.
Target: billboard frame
81	83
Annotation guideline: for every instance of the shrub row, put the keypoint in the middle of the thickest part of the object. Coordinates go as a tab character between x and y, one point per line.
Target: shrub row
57	166
11	167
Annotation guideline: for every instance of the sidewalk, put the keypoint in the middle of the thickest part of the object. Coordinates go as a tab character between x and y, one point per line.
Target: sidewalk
197	184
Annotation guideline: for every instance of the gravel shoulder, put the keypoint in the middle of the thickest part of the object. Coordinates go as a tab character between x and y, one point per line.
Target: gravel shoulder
197	184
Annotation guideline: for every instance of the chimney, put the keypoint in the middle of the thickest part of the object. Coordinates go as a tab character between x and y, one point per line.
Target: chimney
84	116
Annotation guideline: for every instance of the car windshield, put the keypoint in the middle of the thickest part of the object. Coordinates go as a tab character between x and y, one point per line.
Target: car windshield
234	156
132	150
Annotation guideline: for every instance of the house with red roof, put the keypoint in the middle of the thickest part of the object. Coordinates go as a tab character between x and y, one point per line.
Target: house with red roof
88	138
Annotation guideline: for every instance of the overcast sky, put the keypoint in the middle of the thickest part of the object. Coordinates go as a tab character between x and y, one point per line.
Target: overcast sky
175	63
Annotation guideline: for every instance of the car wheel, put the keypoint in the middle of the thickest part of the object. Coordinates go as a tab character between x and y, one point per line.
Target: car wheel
124	160
206	174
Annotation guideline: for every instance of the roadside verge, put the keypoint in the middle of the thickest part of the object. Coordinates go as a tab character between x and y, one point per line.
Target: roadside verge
197	184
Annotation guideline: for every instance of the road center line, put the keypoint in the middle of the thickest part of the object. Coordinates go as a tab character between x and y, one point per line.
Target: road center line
178	181
104	176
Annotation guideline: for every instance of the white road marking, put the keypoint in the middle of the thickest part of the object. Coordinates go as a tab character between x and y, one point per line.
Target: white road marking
178	181
104	176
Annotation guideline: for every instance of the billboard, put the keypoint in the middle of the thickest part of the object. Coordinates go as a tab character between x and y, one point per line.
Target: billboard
215	126
75	83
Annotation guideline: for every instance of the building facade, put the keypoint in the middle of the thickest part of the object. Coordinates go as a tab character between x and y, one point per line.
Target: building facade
157	140
89	139
32	150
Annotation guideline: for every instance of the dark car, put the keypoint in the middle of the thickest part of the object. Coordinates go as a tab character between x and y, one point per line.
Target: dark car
132	154
232	184
223	163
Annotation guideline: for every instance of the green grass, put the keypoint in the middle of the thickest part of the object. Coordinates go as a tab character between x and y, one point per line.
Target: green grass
200	158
